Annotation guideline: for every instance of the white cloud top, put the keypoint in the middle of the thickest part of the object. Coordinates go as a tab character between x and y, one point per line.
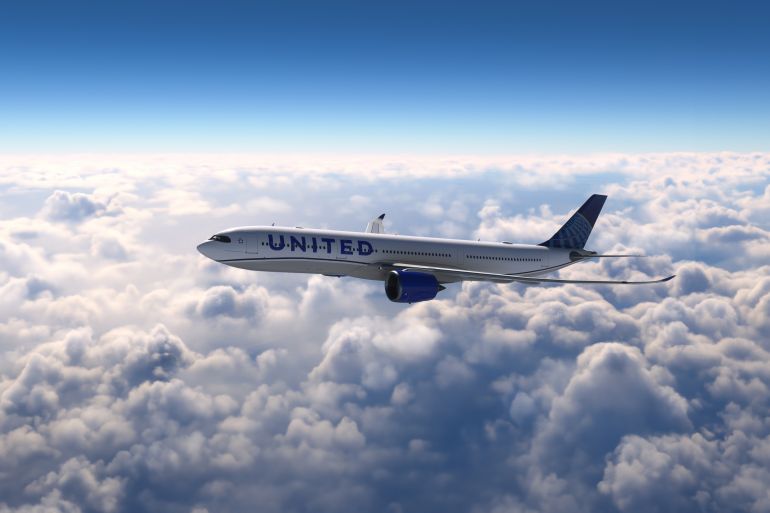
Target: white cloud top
135	375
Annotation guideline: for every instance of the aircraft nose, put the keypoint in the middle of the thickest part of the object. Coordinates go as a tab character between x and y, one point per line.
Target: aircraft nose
205	249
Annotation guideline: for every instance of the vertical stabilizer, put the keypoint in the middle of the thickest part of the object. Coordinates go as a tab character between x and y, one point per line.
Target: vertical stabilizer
575	232
376	225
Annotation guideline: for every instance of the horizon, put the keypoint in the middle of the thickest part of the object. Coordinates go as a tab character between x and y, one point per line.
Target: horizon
137	375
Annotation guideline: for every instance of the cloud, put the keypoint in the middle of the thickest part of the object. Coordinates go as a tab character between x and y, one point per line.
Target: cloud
669	472
72	207
612	392
137	376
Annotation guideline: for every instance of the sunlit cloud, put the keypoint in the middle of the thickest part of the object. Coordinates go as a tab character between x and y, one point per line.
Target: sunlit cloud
136	375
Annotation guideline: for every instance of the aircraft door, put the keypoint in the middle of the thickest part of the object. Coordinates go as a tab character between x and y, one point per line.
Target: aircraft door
339	255
252	244
344	249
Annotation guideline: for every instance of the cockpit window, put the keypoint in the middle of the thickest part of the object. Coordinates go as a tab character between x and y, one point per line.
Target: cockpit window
220	238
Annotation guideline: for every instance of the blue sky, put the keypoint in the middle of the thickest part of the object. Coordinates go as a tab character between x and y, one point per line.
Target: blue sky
444	77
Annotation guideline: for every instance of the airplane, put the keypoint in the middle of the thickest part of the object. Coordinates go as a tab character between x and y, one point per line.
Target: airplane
413	269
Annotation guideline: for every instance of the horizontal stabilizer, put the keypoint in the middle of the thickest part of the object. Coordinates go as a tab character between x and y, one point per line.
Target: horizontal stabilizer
585	255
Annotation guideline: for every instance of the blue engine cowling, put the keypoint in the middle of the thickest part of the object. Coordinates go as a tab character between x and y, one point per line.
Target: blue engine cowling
411	286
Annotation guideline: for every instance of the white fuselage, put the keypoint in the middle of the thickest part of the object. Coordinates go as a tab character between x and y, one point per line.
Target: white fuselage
340	253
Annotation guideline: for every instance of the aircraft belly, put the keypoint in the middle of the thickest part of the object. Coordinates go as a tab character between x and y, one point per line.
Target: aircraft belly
311	266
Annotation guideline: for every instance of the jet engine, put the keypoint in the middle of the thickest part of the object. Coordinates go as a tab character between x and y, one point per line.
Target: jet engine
411	286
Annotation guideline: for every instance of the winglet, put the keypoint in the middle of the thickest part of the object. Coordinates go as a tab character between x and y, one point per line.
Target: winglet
576	230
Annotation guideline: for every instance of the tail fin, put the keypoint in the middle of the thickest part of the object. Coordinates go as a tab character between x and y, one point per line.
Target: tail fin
575	232
376	225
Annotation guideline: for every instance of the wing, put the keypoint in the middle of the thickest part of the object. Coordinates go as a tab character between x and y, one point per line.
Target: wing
445	274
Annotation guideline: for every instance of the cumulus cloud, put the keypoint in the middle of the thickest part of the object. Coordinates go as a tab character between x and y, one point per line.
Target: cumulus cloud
73	207
137	376
611	393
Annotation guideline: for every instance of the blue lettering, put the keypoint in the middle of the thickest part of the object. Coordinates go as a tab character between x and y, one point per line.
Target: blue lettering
364	248
272	243
314	247
295	243
346	247
328	243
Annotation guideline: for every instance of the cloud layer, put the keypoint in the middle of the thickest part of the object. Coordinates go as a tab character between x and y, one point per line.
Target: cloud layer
135	375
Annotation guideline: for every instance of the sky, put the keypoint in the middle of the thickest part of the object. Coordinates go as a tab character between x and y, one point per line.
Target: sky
384	77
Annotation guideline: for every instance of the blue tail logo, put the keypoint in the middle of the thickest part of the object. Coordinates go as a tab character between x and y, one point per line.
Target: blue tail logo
575	232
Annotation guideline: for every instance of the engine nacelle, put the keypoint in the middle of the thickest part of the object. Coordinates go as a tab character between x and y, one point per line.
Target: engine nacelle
411	286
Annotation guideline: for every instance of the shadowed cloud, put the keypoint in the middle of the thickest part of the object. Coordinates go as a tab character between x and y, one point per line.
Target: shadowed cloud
137	376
